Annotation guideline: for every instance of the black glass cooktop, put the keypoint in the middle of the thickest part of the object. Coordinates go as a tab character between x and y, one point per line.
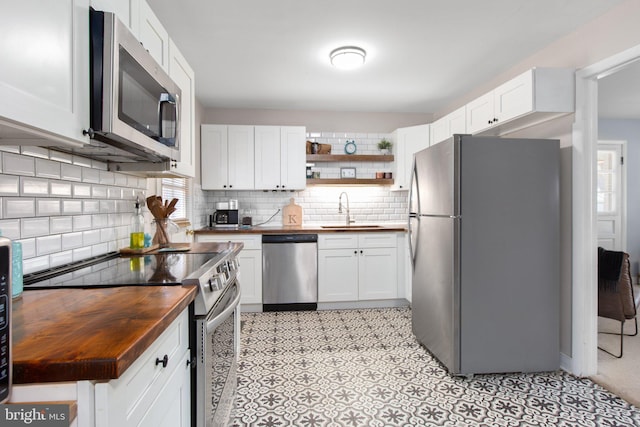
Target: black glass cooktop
113	270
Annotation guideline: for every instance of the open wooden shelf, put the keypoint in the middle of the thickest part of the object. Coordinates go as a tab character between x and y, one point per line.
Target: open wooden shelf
350	157
348	181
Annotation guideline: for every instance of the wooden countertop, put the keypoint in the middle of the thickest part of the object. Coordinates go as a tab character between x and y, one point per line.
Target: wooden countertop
89	334
303	229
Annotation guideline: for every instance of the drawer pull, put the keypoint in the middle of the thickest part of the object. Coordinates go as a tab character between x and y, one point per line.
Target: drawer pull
162	361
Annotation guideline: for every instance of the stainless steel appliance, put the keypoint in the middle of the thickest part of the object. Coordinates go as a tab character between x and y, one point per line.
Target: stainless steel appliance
484	223
5	319
289	272
215	340
134	104
225	217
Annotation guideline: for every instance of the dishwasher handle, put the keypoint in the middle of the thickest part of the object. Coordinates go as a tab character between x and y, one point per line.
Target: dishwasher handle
289	238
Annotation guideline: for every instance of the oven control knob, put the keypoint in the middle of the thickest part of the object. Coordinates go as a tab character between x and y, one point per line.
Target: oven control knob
214	284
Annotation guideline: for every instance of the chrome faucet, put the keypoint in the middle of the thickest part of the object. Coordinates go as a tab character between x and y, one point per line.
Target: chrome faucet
348	218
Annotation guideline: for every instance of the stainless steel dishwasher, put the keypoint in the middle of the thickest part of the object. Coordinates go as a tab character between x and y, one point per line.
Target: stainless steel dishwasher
289	272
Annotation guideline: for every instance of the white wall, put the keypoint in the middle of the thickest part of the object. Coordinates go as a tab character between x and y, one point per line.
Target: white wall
318	121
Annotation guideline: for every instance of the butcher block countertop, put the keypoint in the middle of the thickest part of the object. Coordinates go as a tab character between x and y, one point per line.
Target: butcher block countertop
89	334
333	228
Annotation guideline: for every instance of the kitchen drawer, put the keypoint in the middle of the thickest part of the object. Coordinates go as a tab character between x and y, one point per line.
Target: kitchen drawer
250	242
377	240
124	401
337	241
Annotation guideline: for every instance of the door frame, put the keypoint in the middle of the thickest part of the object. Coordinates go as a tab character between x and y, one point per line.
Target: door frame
623	186
584	321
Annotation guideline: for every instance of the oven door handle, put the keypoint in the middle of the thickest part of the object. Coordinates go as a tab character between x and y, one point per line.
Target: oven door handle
217	321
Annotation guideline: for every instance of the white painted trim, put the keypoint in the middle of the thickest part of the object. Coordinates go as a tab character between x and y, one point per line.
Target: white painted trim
584	360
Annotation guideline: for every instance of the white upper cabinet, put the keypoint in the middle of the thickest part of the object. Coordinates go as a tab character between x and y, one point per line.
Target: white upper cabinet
227	157
280	157
152	34
182	74
44	75
127	11
453	123
409	140
532	97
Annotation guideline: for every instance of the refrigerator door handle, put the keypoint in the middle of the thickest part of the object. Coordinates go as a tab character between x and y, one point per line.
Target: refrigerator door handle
413	215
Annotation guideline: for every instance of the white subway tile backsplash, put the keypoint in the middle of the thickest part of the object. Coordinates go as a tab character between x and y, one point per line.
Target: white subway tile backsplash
61	224
114	193
13	207
28	248
48	244
31	265
34	227
120	179
100	249
71	240
10	148
10	228
97	164
90	206
82	253
81	222
15	164
70	207
107	178
35	151
47	169
91	237
81	161
9	185
71	172
33	186
91	175
60	258
107	206
60	157
98	192
60	188
82	190
47	207
100	221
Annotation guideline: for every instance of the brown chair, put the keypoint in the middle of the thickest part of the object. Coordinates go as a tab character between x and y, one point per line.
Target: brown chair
617	300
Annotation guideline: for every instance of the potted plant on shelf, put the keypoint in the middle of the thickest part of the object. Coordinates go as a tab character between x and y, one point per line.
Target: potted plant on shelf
384	146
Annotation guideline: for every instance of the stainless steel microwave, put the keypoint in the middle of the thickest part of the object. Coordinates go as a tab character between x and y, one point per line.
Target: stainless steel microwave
134	104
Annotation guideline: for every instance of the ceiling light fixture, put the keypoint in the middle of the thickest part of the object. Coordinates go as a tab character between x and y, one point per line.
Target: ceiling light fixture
347	57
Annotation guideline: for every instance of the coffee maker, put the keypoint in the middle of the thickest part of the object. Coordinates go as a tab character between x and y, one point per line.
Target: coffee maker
225	215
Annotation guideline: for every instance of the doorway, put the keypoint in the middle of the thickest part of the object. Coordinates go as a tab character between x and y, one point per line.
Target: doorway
584	360
611	195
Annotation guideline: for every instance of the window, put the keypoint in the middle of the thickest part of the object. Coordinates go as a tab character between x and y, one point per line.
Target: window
178	188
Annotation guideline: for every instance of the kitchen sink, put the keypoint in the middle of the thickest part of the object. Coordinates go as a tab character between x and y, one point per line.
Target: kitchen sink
350	226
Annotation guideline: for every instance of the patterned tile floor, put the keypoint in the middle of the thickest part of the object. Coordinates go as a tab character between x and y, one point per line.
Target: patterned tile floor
365	368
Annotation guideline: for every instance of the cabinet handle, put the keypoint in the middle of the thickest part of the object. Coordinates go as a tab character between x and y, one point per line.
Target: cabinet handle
230	186
224	186
164	361
355	252
361	252
89	132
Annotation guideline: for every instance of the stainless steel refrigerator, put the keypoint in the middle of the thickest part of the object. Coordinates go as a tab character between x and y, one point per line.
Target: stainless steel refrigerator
484	224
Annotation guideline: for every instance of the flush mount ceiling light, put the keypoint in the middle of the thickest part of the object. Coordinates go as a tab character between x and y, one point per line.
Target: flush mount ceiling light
347	57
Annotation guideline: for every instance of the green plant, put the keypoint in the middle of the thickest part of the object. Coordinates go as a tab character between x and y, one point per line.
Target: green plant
384	144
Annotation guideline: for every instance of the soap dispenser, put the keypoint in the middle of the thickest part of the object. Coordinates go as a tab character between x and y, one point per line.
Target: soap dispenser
136	240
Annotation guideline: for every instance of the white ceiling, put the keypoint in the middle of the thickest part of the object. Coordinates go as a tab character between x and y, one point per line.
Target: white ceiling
421	54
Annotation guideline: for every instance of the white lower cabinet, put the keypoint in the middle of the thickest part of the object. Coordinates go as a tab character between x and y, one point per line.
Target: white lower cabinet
357	267
155	389
250	259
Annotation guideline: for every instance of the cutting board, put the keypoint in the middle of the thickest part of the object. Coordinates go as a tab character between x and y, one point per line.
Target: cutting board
292	214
